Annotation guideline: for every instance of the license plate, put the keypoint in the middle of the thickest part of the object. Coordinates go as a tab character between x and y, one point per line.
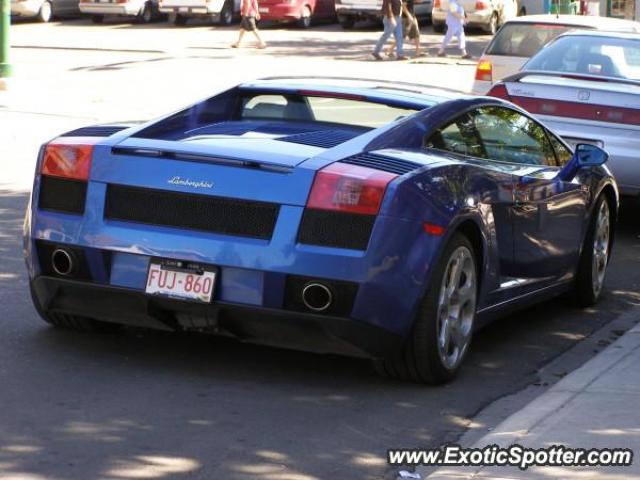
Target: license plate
263	10
182	280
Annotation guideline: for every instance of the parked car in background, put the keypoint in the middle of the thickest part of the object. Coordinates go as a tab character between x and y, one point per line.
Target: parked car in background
586	87
44	10
351	11
219	11
485	14
375	219
521	38
303	12
143	11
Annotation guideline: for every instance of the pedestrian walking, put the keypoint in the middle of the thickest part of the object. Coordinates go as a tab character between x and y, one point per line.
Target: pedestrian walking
250	14
410	29
392	21
456	20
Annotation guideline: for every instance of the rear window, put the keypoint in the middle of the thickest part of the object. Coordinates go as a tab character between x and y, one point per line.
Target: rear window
525	39
360	113
591	55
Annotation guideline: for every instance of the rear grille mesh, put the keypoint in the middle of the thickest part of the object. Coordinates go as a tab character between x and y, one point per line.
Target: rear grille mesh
62	194
336	229
381	162
193	212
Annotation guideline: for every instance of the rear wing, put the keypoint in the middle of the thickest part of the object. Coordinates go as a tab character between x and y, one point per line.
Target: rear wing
517	77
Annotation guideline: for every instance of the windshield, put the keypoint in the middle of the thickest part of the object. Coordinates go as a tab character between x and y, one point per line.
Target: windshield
592	55
519	39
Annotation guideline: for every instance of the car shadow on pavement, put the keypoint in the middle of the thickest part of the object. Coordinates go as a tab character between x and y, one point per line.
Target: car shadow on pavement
146	404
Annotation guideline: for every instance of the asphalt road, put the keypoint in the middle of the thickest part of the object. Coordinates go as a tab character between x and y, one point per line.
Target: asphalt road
152	405
155	405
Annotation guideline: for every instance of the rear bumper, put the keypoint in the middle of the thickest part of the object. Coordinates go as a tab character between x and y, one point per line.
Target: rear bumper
620	142
303	331
110	9
27	9
344	10
280	12
191	11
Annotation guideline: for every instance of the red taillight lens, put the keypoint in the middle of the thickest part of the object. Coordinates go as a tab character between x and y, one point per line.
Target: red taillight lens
484	71
499	90
68	157
349	188
436	4
480	5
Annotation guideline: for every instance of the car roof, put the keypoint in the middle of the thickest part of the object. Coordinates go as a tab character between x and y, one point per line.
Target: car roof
380	90
588	21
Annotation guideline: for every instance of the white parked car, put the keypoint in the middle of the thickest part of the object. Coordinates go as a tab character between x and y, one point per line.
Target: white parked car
485	14
143	11
221	11
350	11
585	86
522	37
44	10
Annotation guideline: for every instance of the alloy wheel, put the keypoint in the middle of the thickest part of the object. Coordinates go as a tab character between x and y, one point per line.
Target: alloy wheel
600	248
456	307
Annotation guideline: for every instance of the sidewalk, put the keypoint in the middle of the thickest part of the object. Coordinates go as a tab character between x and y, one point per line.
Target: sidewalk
596	406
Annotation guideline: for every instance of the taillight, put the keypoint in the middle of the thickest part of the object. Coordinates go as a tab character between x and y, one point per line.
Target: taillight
499	90
484	71
436	4
349	188
69	158
480	5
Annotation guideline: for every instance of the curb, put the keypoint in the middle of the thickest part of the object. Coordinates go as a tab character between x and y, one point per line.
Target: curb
520	423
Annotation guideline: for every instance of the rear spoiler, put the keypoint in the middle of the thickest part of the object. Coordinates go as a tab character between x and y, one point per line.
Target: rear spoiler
516	77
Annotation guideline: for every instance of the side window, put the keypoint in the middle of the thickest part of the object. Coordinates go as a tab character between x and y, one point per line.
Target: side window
563	154
459	137
509	136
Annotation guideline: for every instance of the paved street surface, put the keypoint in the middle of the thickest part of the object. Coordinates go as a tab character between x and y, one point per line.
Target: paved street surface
154	405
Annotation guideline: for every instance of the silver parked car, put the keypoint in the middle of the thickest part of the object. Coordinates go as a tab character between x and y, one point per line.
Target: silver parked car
585	85
44	10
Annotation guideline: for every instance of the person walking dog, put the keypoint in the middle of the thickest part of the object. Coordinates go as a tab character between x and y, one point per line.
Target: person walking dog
392	21
455	28
250	13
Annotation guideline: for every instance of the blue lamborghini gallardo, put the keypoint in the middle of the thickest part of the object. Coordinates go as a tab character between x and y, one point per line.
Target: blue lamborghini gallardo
359	217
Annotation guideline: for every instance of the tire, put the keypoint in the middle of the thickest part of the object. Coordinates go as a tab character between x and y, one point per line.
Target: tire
347	22
438	27
146	14
492	27
73	322
180	20
595	255
305	17
226	14
97	19
430	355
45	13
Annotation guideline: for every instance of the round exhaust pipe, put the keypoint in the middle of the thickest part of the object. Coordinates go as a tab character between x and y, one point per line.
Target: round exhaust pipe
317	297
62	262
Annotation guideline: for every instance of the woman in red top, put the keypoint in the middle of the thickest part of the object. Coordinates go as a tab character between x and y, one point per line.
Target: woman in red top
250	13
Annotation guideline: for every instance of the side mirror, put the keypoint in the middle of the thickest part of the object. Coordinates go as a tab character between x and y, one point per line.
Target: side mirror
585	156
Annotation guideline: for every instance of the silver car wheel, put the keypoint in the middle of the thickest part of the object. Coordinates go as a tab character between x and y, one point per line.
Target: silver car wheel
456	307
600	248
